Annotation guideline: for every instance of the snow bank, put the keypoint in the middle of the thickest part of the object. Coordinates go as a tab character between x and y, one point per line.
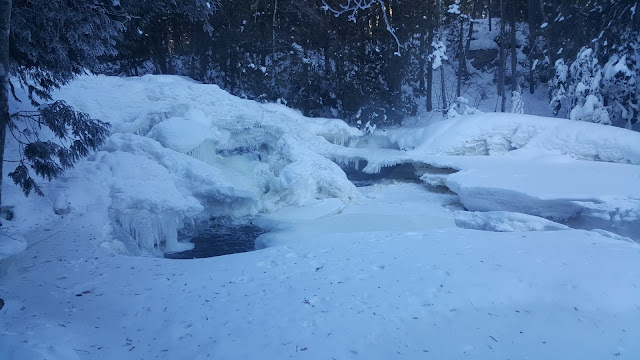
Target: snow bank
579	173
490	134
494	134
583	194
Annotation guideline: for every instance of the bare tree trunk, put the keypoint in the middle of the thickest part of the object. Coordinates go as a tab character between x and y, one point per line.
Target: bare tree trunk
514	55
430	74
422	61
5	26
273	29
469	36
489	11
501	69
461	58
273	42
442	88
530	10
440	31
551	54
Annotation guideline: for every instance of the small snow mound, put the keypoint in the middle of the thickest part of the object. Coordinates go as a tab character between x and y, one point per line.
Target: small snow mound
504	221
483	44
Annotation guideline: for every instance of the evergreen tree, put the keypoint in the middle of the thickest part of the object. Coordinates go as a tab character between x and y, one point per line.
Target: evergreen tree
600	39
44	45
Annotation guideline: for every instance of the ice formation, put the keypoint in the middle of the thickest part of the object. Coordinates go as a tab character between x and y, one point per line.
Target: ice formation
184	151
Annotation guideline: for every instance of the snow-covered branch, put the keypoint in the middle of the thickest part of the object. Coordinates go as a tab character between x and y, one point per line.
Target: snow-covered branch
352	7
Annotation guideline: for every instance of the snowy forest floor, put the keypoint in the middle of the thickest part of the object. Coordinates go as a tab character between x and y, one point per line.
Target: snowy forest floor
351	287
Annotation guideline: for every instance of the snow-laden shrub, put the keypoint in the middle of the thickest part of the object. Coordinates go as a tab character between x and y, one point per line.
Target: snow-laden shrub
438	56
586	76
590	109
461	107
621	86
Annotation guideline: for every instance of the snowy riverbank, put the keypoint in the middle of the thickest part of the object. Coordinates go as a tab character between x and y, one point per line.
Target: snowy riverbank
517	237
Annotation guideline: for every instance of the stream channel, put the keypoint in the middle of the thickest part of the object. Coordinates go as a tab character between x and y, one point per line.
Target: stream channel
224	236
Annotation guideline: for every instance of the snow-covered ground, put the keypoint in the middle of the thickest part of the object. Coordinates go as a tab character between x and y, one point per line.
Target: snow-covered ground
516	238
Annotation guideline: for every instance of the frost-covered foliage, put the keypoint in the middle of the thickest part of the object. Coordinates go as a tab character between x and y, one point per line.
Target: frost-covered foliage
69	136
53	41
596	72
584	87
461	107
621	85
438	55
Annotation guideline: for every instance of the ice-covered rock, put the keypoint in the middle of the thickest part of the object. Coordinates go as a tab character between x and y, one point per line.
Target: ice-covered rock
183	151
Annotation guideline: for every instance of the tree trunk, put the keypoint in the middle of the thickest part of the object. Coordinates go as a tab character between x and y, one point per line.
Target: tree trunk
530	10
442	88
489	11
514	55
461	58
430	74
440	35
469	36
422	60
5	26
274	28
501	68
550	42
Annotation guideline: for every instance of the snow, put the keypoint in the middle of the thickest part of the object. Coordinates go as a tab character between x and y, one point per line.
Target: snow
512	236
591	110
438	55
483	44
484	178
493	133
377	290
11	244
505	221
561	170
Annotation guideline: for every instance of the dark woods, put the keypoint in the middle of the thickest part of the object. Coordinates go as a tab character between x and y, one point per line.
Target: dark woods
296	52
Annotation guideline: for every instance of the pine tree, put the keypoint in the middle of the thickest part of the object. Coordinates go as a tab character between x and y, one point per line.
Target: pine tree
44	45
